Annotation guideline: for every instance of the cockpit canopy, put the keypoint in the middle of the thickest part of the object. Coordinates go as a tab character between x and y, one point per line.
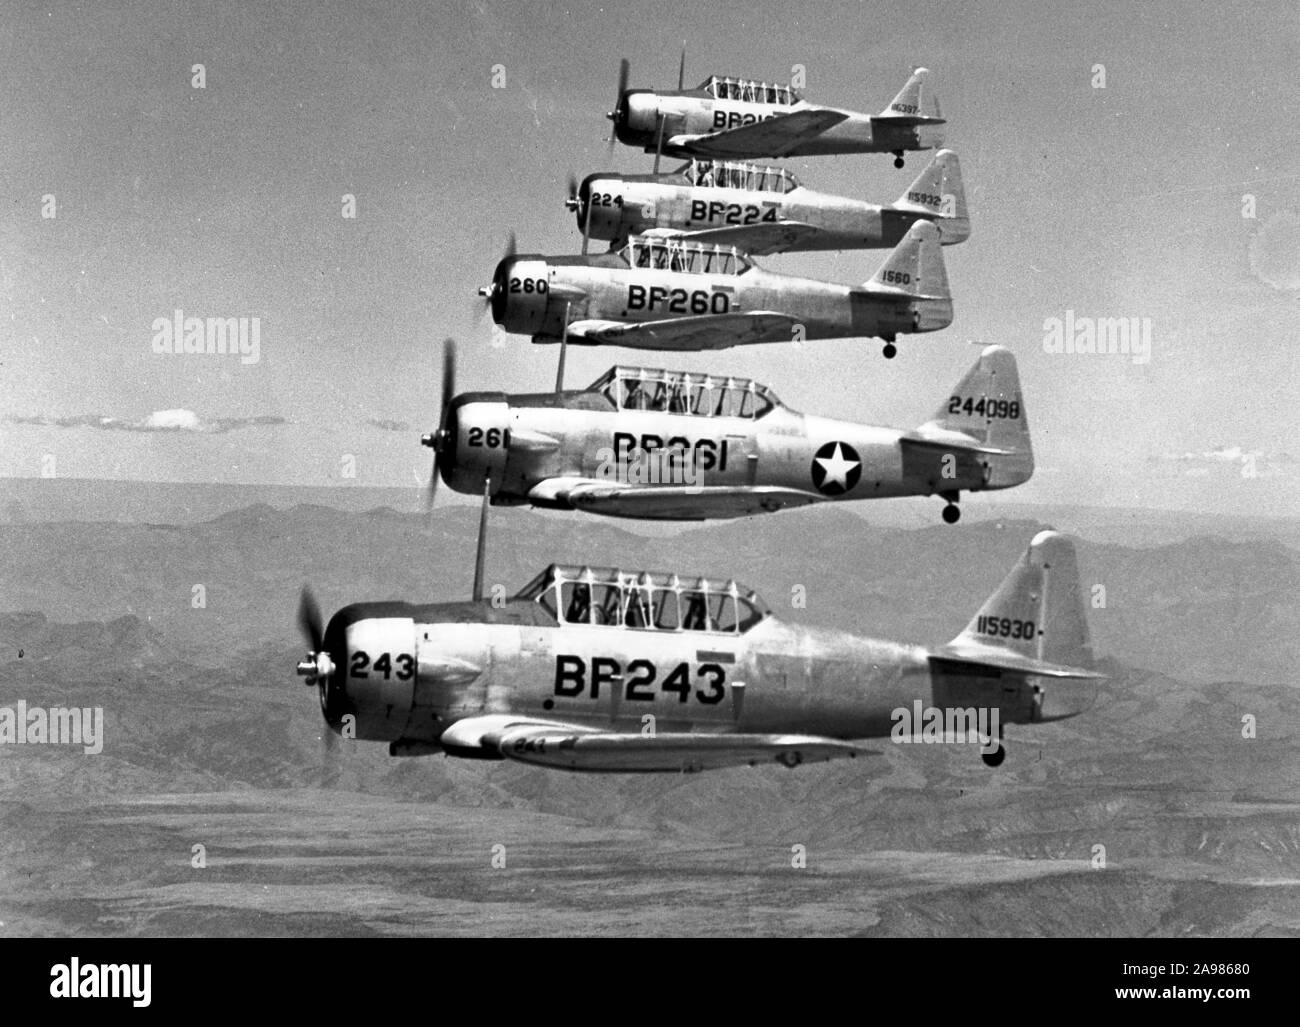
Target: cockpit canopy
687	258
679	392
737	175
749	91
644	600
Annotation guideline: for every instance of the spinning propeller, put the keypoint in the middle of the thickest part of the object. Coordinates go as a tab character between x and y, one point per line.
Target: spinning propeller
624	69
494	294
438	440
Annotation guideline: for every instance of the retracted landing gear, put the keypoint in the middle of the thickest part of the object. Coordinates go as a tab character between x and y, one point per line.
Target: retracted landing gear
951	513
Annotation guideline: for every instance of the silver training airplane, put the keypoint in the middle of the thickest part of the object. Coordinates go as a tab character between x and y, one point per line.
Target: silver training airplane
739	119
592	668
672	294
762	210
672	445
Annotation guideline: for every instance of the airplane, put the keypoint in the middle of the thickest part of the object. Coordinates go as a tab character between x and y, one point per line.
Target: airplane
660	293
762	210
648	443
739	119
600	669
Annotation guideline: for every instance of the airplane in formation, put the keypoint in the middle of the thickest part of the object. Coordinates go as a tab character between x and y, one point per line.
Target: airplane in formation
739	119
669	293
601	669
762	210
648	443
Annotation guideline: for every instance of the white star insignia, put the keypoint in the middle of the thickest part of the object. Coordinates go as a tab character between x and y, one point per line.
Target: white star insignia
837	468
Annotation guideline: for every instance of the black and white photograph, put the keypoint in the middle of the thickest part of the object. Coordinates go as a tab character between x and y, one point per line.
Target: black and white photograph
505	469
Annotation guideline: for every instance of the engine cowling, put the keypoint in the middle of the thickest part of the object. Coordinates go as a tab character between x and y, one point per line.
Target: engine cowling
520	295
476	442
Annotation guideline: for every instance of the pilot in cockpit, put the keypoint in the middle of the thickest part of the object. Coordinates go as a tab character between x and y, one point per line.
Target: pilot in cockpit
579	611
636	615
696	616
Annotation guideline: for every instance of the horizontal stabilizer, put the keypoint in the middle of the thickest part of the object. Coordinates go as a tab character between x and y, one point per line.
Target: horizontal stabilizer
977	657
948	441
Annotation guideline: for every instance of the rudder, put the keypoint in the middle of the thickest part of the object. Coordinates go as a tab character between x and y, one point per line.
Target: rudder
909	107
939	193
1037	612
915	268
989	407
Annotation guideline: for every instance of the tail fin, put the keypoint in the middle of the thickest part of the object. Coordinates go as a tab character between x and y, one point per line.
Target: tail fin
1034	623
939	193
911	106
987	408
914	270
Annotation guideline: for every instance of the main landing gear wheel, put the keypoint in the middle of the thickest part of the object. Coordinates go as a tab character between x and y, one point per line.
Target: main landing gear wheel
890	349
898	158
951	514
994	758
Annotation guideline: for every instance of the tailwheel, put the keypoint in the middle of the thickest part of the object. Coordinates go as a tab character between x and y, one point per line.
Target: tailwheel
890	349
996	757
951	512
898	158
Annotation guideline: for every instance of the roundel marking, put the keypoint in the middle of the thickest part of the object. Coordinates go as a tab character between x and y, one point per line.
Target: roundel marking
836	468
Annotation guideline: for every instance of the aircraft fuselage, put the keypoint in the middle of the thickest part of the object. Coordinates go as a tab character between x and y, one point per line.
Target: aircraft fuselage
521	441
538	292
619	206
692	112
413	671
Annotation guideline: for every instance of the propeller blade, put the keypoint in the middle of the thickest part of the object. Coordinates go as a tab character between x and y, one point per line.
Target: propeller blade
309	620
437	441
624	70
681	71
511	246
573	191
448	377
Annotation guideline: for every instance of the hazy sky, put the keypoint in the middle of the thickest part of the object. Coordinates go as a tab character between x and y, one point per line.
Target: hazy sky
226	201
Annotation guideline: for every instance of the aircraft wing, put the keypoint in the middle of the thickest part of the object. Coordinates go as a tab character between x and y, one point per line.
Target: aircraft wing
773	137
760	239
707	331
667	502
